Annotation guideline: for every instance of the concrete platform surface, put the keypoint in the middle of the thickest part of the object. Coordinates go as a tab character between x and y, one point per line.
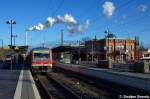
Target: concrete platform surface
17	84
134	80
131	74
8	83
26	88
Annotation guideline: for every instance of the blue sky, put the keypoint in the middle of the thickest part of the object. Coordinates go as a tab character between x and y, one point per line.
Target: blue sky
128	19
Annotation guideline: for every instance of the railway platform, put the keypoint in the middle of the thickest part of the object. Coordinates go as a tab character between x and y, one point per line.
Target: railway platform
17	84
138	81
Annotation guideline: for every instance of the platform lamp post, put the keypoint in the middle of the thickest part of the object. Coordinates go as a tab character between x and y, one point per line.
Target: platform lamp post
107	36
11	22
107	47
107	44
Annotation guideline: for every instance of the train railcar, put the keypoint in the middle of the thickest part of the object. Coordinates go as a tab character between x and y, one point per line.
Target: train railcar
40	59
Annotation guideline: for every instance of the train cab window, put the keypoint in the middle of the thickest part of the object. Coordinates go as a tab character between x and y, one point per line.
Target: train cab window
41	56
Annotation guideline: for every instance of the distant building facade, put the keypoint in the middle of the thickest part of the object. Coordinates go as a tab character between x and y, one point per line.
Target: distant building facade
117	50
144	53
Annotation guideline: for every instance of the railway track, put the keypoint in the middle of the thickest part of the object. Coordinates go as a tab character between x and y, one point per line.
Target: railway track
82	89
113	88
59	86
54	89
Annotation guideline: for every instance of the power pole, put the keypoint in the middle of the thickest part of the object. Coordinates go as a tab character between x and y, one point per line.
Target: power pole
2	43
62	37
26	38
14	36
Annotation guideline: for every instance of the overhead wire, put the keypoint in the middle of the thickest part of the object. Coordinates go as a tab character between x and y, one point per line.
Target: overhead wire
48	7
117	9
134	22
57	9
90	7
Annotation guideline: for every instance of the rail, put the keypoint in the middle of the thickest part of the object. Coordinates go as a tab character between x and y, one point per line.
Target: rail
54	89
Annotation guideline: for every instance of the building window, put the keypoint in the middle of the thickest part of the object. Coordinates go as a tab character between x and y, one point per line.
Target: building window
120	47
130	47
110	48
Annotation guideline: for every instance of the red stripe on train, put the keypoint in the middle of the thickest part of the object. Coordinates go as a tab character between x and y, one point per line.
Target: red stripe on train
42	62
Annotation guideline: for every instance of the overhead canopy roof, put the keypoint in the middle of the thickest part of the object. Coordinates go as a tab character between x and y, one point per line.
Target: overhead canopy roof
63	49
40	48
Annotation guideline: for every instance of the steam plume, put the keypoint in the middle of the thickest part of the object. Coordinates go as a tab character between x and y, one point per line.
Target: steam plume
69	20
79	28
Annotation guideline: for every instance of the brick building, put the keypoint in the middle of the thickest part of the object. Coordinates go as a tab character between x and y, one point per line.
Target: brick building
118	50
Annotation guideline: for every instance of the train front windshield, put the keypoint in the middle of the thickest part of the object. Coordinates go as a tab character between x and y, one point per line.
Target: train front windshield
41	55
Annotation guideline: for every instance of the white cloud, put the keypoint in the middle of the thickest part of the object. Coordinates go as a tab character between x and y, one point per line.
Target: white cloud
108	8
142	8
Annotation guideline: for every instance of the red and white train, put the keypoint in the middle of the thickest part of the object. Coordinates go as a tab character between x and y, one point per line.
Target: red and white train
40	59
